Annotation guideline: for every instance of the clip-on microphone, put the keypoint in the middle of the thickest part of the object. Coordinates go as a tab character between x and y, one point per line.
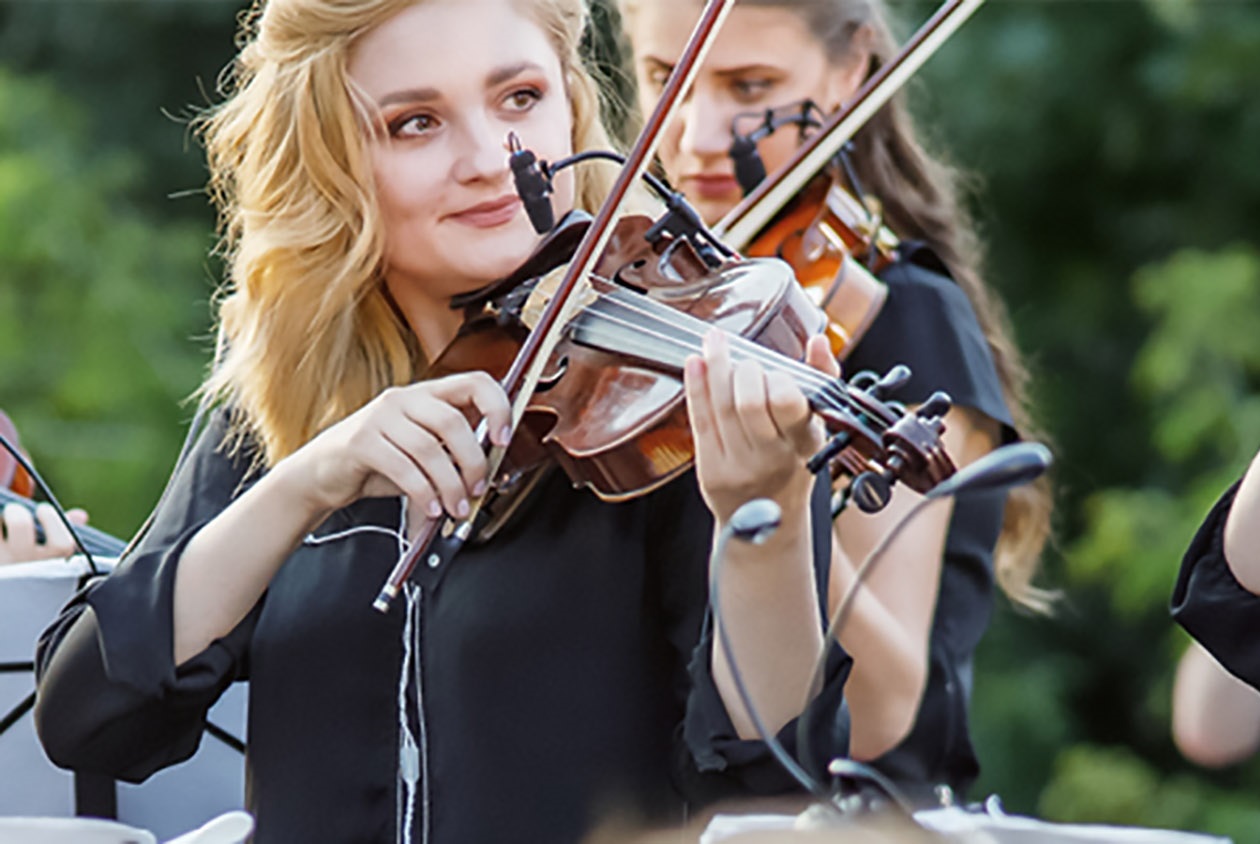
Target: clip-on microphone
750	170
533	185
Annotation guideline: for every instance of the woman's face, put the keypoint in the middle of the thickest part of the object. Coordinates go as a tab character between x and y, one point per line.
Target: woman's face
763	58
451	79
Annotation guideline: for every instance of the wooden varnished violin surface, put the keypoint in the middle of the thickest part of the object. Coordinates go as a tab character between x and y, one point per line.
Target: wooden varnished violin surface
827	238
610	406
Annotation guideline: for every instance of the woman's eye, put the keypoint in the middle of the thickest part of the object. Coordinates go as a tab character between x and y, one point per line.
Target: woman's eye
657	77
523	99
751	90
413	126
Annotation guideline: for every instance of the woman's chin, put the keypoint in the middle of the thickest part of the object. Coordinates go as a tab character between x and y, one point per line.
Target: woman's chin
495	253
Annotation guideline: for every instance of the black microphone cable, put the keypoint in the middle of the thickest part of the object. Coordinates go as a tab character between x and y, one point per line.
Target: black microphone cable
753	522
52	499
533	184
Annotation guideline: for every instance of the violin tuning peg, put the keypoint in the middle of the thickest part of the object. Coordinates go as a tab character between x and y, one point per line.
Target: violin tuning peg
829	450
864	380
871	492
937	405
893	380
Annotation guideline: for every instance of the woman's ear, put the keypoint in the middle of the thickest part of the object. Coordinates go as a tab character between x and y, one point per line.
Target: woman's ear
847	75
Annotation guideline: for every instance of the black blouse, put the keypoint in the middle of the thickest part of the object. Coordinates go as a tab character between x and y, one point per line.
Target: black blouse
928	324
1217	610
531	687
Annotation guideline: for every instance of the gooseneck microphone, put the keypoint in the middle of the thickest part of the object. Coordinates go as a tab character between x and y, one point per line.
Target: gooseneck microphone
1010	465
533	185
756	520
1006	466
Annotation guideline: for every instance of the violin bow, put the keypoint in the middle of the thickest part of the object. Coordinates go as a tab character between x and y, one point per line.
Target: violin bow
527	369
746	220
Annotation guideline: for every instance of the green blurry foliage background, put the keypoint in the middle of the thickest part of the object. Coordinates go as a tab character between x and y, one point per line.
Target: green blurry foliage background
1110	146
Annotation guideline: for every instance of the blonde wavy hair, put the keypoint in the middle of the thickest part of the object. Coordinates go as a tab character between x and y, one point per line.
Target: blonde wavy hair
921	201
307	332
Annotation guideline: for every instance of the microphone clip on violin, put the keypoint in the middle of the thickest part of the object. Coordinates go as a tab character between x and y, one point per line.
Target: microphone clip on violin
750	170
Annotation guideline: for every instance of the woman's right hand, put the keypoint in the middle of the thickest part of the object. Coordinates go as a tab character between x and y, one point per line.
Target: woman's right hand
419	441
18	539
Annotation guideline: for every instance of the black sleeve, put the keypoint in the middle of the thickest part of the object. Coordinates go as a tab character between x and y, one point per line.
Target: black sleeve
1217	610
712	762
110	699
928	324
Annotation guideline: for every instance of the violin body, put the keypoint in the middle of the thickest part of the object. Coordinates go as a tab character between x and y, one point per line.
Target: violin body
609	409
819	234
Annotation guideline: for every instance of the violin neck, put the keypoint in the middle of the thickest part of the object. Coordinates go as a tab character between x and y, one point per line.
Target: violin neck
97	542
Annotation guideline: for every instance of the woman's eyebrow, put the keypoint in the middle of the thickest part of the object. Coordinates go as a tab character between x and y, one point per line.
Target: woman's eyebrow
503	74
422	95
409	95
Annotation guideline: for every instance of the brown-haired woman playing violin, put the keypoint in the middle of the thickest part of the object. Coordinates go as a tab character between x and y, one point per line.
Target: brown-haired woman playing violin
914	628
558	671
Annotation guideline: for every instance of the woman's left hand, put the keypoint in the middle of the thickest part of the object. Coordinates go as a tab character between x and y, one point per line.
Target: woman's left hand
753	430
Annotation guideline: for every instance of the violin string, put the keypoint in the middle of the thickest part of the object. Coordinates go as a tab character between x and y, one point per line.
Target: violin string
691	341
829	393
841	396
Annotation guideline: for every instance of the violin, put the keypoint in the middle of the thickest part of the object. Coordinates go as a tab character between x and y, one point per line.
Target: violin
590	335
818	235
13	476
18	485
805	214
610	408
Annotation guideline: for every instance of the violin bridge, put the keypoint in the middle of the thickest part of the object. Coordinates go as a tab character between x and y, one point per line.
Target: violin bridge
545	289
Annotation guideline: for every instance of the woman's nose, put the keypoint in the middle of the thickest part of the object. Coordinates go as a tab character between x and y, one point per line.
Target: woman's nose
706	126
483	152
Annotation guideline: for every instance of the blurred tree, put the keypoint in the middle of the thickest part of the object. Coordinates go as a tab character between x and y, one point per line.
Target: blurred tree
97	311
1108	137
1197	371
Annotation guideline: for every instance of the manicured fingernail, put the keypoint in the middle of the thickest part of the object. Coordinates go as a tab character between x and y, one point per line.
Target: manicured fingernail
462	509
479	488
505	435
434	509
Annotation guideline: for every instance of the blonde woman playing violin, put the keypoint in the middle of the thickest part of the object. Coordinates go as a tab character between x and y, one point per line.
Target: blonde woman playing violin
914	628
561	670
